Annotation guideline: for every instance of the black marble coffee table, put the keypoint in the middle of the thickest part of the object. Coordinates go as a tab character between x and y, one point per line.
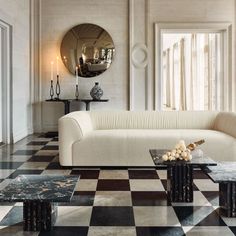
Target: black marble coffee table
225	174
39	194
180	174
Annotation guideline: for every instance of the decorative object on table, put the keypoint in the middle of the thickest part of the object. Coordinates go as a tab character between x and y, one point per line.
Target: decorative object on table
77	83
181	151
58	88
51	87
96	92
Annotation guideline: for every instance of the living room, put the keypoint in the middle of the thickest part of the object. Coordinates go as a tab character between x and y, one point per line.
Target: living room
117	117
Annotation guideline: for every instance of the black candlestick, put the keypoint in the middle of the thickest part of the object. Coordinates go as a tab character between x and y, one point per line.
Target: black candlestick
77	92
58	89
51	90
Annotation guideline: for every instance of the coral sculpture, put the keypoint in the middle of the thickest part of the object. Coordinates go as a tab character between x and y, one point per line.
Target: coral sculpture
181	151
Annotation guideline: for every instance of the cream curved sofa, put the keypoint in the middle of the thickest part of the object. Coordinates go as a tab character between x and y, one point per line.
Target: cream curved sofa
123	138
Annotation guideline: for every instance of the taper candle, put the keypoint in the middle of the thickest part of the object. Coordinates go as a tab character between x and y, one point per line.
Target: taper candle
57	65
76	75
52	70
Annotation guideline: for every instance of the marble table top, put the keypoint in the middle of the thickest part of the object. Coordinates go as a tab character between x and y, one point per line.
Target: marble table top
51	188
223	172
199	158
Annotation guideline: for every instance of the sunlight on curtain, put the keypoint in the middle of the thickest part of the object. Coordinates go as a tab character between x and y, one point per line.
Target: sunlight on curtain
191	73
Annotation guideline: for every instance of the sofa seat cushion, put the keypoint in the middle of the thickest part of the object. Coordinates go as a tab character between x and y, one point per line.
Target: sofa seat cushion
130	147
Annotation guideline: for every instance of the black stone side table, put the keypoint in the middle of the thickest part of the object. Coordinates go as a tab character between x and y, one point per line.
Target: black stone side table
39	194
225	174
180	174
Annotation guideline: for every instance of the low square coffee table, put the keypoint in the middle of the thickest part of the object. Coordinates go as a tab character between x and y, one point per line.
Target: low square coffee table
225	174
39	194
180	173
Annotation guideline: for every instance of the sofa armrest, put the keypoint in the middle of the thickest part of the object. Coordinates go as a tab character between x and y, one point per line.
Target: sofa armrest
72	127
226	123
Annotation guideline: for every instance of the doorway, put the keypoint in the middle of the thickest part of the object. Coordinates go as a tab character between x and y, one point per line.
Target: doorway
5	83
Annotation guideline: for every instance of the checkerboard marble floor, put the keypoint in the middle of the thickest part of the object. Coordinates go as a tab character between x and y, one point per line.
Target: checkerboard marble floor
111	201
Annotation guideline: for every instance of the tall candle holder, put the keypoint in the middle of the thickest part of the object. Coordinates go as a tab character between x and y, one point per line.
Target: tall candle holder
51	90
58	88
77	92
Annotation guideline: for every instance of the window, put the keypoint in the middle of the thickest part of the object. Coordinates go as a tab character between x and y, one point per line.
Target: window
192	76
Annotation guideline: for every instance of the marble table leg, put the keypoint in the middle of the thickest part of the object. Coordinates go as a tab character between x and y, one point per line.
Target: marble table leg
39	216
227	199
180	183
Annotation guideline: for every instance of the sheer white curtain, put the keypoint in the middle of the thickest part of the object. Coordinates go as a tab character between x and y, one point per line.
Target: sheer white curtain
191	73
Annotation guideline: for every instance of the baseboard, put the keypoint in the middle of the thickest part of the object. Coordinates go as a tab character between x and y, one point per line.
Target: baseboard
48	128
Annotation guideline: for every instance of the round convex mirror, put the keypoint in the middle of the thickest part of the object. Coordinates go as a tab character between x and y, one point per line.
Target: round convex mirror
88	50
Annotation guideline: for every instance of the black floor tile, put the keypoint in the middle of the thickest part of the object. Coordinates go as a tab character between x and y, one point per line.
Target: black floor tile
194	215
24	172
38	158
10	165
213	219
158	198
37	143
25	152
57	166
199	174
159	231
51	134
143	174
113	185
66	231
212	197
233	229
86	174
14	216
50	147
112	216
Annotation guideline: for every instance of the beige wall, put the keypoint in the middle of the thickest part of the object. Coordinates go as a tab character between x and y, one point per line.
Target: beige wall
131	25
17	14
57	17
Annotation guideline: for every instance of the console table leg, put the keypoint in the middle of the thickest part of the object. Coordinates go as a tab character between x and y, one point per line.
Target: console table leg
87	106
227	199
39	216
180	183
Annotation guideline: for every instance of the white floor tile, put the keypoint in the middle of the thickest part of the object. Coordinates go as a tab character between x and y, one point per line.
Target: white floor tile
73	216
206	185
113	198
208	231
155	216
111	231
146	185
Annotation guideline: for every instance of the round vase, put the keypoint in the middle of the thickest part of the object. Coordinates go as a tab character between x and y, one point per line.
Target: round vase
96	92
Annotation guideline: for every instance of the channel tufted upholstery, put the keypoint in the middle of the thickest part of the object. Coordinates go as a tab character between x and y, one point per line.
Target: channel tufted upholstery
123	138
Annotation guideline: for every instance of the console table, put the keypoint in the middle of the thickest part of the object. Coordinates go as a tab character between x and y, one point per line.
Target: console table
39	194
67	102
180	174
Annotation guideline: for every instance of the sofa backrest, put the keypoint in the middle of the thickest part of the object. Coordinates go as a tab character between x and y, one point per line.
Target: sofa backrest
153	119
226	122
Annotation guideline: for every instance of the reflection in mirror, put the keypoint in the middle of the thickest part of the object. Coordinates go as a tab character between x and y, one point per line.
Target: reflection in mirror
87	48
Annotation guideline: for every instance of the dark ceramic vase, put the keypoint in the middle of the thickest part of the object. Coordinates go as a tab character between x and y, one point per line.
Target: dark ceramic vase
96	92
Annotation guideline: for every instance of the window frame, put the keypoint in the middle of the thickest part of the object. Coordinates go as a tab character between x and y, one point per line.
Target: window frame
225	28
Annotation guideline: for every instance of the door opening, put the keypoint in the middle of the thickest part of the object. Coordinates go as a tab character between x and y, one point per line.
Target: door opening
5	83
